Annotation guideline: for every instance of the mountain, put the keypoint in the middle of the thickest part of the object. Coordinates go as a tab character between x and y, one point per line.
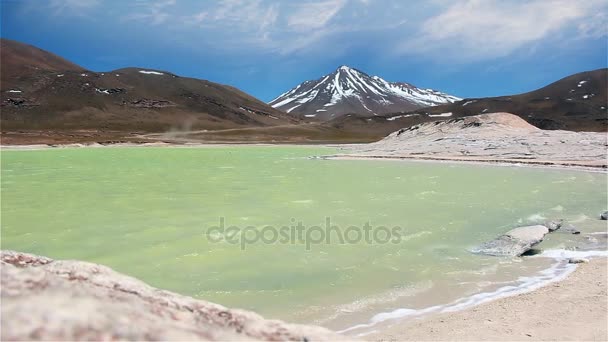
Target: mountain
576	103
348	90
20	59
41	91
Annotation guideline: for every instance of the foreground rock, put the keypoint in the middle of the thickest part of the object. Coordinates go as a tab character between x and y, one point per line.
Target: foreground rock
44	299
494	137
515	242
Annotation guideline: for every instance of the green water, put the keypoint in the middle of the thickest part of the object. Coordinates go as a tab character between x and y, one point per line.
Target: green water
145	212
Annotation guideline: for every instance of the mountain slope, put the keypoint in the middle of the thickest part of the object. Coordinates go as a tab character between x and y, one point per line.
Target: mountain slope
576	103
347	90
20	59
43	91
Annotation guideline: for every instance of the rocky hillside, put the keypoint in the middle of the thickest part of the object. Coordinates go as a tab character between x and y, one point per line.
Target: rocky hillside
576	103
64	300
41	91
348	90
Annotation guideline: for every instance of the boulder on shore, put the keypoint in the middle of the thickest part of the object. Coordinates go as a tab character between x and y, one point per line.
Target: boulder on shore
554	225
513	243
604	215
45	299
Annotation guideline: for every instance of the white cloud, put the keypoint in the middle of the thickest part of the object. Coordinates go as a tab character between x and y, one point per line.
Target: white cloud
465	30
314	15
481	29
595	26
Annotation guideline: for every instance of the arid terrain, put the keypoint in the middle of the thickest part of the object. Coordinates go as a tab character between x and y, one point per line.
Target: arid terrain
42	93
46	99
495	137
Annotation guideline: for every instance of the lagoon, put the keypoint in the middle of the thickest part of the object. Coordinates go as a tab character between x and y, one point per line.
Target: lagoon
151	212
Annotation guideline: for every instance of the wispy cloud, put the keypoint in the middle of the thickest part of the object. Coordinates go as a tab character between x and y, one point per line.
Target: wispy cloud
251	20
153	12
314	15
466	30
481	29
71	7
270	26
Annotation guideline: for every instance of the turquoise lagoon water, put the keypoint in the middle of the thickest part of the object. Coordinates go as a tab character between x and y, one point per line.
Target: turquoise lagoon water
146	212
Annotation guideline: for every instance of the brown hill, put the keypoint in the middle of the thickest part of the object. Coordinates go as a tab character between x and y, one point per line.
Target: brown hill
20	59
45	92
575	103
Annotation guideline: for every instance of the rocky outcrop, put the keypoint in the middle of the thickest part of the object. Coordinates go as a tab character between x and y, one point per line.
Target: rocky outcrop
604	215
494	137
513	243
149	103
45	299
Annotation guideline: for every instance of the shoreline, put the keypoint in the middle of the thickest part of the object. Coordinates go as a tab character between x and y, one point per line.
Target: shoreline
551	267
479	161
33	147
543	164
573	308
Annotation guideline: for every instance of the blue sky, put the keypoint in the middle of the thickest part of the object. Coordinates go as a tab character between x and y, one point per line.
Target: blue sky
468	48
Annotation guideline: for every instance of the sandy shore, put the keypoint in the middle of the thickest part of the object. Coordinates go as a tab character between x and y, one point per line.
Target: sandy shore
575	309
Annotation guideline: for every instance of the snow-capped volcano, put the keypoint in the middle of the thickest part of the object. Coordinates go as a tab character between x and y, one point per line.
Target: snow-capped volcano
348	90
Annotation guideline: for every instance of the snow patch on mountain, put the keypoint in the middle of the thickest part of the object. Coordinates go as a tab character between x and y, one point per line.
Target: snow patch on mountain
148	72
442	115
393	118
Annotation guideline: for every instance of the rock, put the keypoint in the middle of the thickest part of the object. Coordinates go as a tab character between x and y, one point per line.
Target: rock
513	243
45	299
570	229
554	225
604	215
577	260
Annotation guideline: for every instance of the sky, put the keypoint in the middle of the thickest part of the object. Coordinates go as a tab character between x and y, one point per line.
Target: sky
467	48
